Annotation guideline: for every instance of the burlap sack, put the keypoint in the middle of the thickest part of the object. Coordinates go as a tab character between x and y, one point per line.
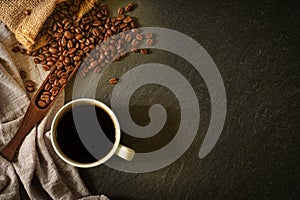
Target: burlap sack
27	27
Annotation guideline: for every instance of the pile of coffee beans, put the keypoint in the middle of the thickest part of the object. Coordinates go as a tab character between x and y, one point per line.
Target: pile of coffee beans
70	44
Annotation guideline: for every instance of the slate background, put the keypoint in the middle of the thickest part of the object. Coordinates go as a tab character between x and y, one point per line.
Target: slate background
255	45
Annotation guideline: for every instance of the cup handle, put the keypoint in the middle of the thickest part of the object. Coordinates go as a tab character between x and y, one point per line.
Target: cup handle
125	152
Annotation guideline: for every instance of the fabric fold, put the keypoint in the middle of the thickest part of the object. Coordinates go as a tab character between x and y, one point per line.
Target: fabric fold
36	166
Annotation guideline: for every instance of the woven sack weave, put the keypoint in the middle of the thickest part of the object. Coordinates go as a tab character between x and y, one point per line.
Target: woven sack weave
27	27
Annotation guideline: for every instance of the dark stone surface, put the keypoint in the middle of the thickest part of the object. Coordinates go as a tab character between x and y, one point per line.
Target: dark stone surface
255	45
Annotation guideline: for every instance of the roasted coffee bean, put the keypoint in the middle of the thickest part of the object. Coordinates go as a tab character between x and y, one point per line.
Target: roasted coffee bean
114	29
134	42
106	12
23	74
135	30
97	70
82	74
149	35
67	60
69	71
60	65
129	7
77	58
56	83
63	42
149	42
93	64
128	37
95	32
53	50
62	81
55	88
120	10
85	69
16	49
29	88
65	20
117	58
139	36
64	75
47	87
133	24
123	25
41	104
67	25
144	51
78	36
36	61
54	92
127	19
50	63
96	23
110	32
45	97
107	26
52	77
69	35
120	17
113	81
135	50
72	50
69	44
29	83
59	73
46	67
86	50
57	34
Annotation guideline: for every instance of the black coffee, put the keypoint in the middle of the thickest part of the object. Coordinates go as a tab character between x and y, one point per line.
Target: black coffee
86	133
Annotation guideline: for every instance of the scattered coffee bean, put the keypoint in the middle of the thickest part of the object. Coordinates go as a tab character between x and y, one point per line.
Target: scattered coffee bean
29	86
29	83
144	51
149	35
129	7
113	81
135	50
134	42
149	42
29	89
23	74
139	36
97	70
16	49
121	11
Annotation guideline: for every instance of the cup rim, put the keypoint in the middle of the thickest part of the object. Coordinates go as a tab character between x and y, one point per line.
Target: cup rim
60	113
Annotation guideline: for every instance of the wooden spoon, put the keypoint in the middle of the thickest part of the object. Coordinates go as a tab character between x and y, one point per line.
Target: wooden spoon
33	116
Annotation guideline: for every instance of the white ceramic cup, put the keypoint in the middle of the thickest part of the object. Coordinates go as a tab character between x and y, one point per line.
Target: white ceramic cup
117	149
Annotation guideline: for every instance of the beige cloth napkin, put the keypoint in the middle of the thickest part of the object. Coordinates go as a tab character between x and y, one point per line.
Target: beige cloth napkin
36	167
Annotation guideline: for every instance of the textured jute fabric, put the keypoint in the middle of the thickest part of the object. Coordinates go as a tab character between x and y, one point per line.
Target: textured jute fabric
36	170
27	27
